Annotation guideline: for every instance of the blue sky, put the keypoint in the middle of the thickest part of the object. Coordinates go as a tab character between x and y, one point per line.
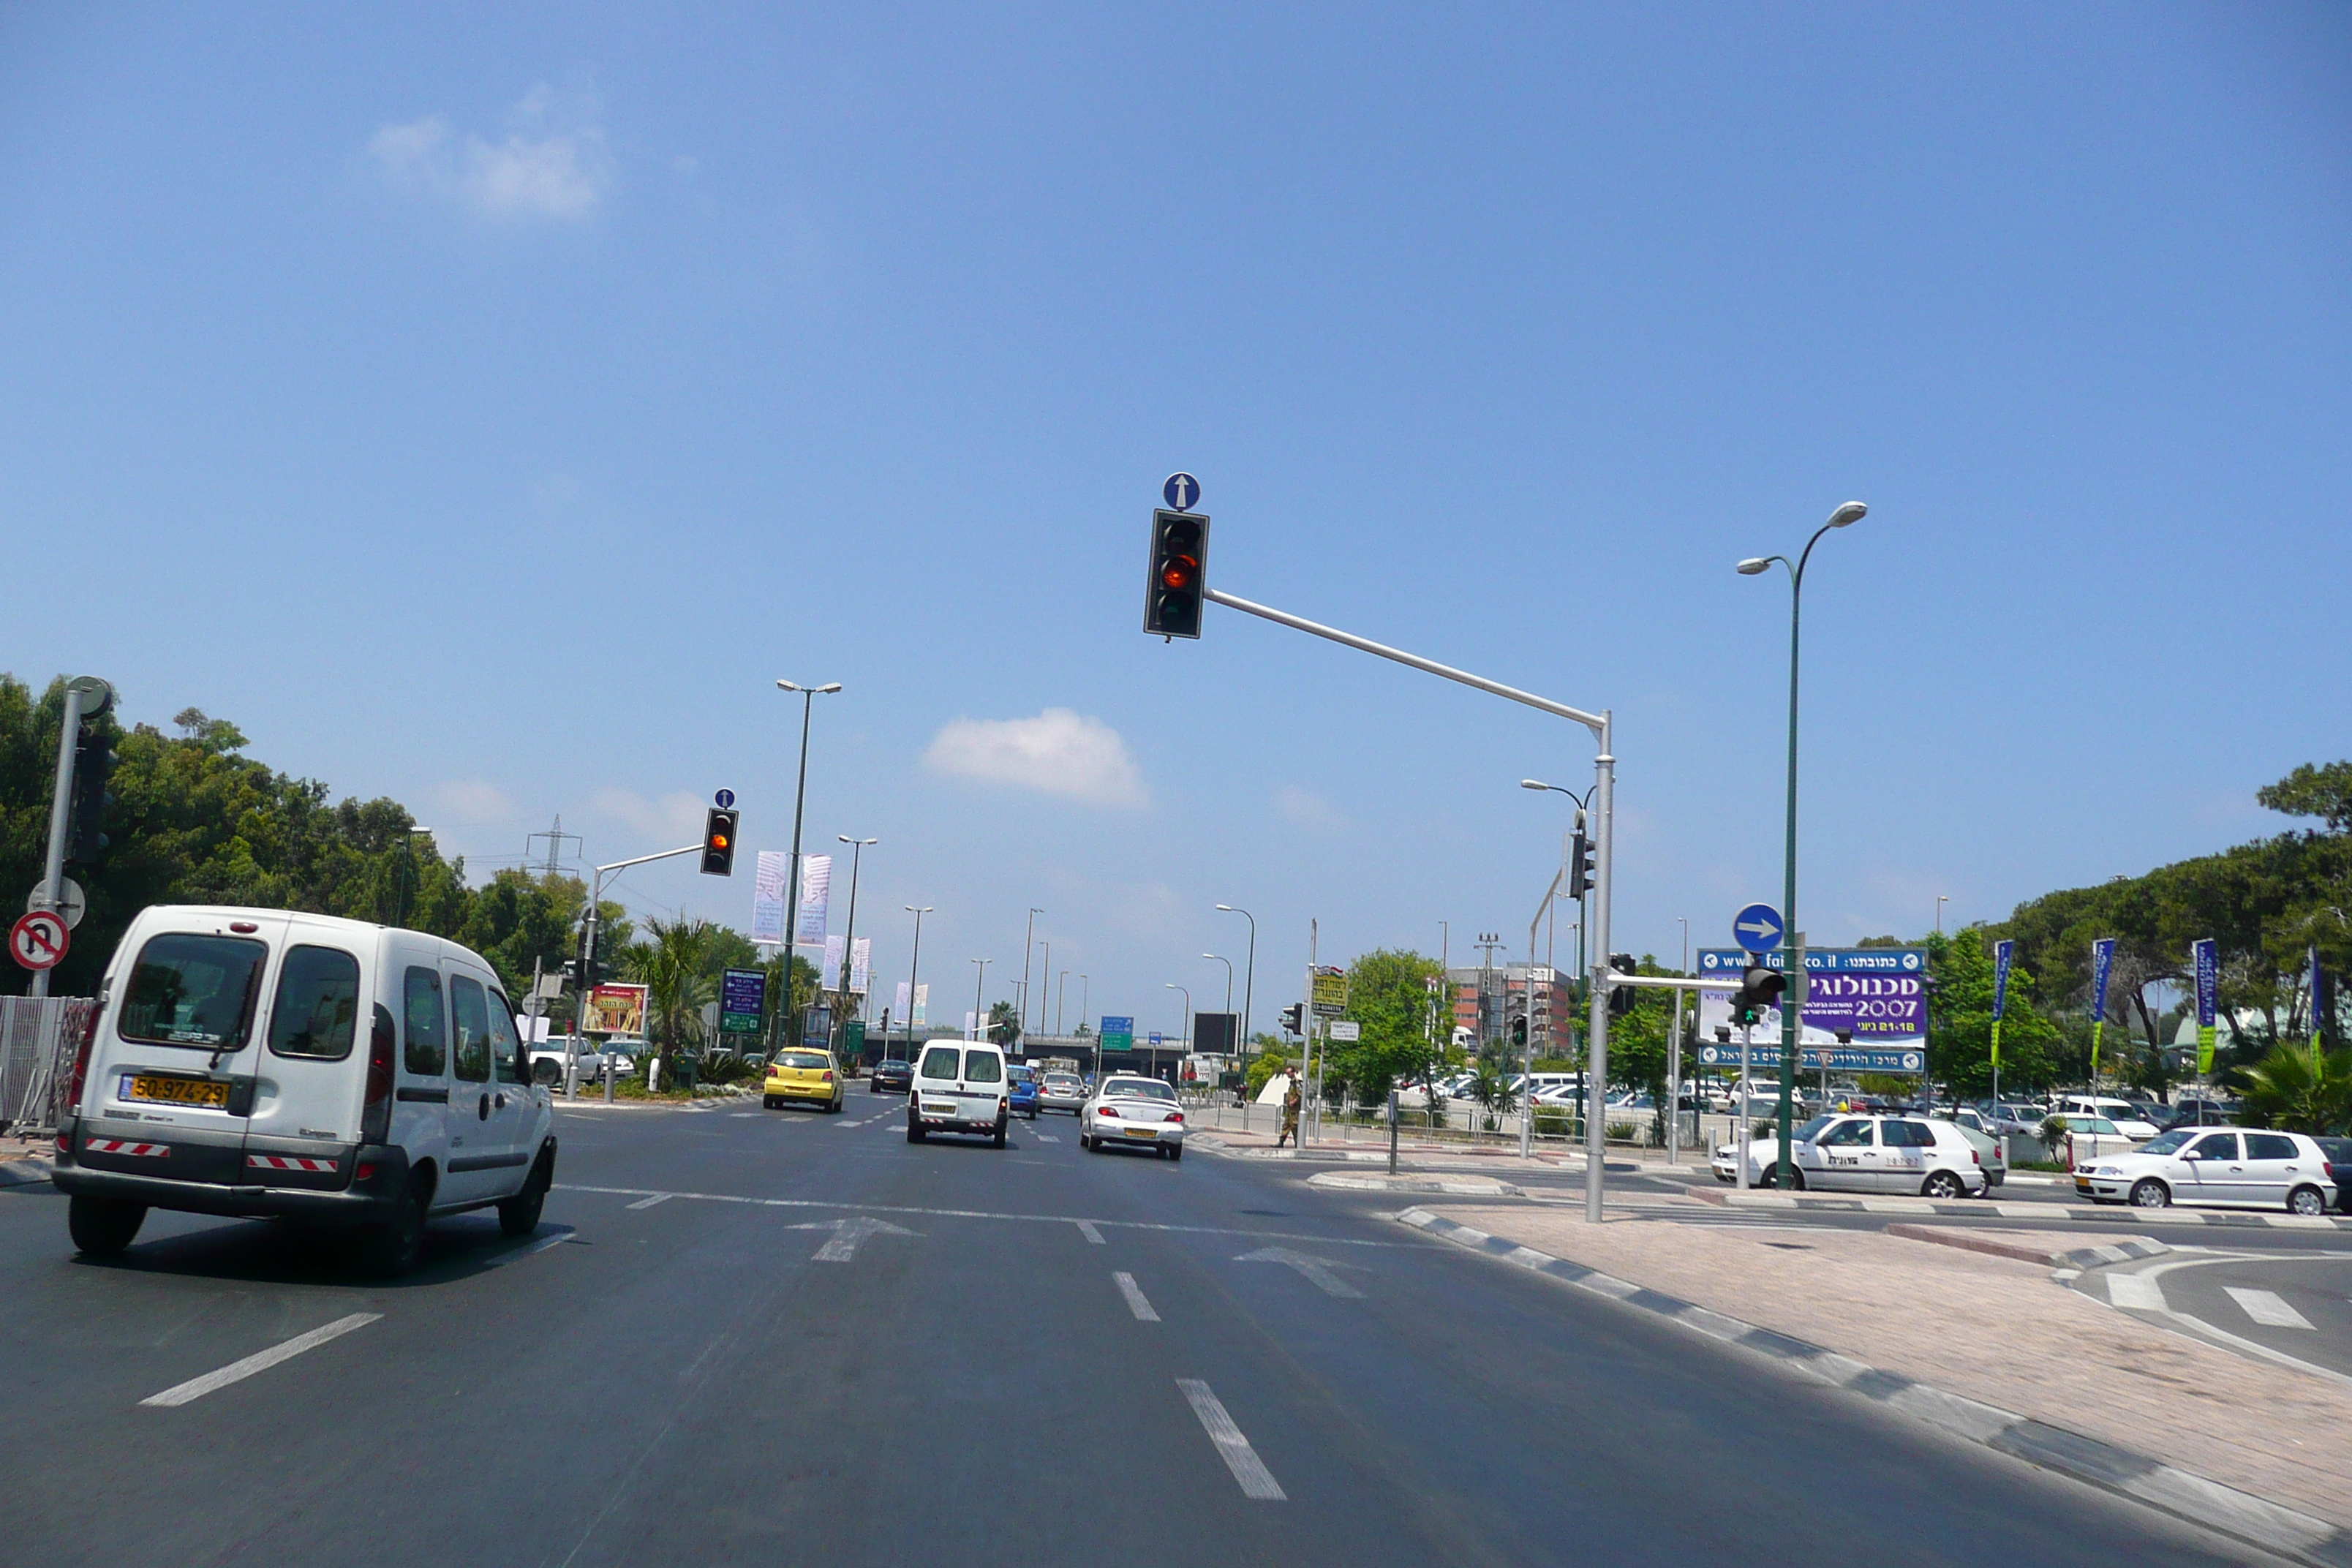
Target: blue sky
484	406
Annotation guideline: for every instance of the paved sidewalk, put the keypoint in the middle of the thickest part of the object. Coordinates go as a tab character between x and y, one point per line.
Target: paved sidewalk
1995	1330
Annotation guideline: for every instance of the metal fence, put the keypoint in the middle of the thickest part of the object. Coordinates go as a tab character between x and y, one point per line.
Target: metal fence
37	1036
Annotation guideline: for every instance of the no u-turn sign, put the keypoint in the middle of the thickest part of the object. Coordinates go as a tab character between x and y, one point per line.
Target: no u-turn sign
38	939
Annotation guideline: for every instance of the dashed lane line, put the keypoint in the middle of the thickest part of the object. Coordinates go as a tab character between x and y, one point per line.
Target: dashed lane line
238	1370
1257	1482
1087	1229
646	1202
1135	1302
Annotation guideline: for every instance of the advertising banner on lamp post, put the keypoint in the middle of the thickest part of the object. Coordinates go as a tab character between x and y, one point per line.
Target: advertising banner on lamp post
2103	964
2206	953
2003	951
768	896
816	900
861	965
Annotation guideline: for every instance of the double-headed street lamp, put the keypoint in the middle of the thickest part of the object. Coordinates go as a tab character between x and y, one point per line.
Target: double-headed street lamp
1579	799
914	974
1792	1000
1249	970
858	847
808	696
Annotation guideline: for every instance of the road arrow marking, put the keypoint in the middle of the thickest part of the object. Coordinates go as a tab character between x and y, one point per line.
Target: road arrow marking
847	1234
1317	1269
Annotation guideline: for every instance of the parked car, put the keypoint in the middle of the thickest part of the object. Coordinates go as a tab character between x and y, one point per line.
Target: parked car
1026	1090
800	1075
2130	1119
547	1057
2340	1169
1874	1154
895	1076
2091	1138
1133	1112
2195	1113
2218	1167
1062	1091
397	1087
962	1089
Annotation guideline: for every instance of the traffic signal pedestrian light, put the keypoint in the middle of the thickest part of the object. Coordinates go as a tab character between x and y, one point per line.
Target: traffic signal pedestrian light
1293	1018
1758	988
1179	569
1621	997
86	839
1580	863
719	843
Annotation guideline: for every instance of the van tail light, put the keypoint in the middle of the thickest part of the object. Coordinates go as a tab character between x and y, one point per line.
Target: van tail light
81	1059
375	1120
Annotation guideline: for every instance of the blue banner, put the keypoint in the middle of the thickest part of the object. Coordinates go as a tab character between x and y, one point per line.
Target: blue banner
2103	964
2001	952
2206	954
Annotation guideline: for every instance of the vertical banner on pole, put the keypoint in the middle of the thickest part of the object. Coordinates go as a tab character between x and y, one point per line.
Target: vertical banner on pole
2206	953
836	953
768	897
901	1009
923	1003
816	900
2103	964
2322	1006
2003	951
861	965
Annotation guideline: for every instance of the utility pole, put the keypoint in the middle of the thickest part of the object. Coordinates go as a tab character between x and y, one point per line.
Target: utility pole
87	697
1026	936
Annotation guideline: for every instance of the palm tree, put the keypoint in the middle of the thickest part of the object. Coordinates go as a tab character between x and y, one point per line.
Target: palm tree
672	965
2297	1091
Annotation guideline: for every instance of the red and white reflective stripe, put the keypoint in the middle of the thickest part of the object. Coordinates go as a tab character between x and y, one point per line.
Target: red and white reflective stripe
124	1146
288	1163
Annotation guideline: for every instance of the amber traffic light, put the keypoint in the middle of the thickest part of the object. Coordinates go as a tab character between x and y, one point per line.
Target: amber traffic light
1180	568
719	843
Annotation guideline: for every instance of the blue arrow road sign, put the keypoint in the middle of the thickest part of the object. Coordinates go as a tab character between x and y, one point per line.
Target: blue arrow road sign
1756	927
1182	490
725	799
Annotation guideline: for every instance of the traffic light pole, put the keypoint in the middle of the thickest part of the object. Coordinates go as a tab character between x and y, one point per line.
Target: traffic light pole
580	1009
87	697
1604	769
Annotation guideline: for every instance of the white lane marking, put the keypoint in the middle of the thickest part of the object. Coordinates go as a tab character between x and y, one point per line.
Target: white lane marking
1257	1482
657	1198
1135	1301
1317	1269
1087	1229
743	1115
2137	1292
534	1250
1044	1138
237	1370
2267	1308
847	1234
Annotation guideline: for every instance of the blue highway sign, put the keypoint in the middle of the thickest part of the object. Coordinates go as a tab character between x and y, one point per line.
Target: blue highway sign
1756	927
1182	490
724	800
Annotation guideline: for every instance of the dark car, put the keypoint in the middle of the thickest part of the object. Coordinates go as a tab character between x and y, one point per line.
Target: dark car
1025	1083
2340	1169
893	1076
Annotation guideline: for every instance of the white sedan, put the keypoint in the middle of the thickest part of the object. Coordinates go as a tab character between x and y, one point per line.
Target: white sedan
1904	1155
1135	1113
2227	1167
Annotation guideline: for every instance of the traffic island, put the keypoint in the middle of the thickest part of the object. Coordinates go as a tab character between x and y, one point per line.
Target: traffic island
1984	1347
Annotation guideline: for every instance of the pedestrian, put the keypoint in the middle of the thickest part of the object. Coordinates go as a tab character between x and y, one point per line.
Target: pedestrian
1290	1103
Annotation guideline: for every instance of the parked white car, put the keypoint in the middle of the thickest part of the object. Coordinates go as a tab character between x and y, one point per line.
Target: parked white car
2130	1119
2225	1167
1906	1154
2091	1138
547	1059
1133	1112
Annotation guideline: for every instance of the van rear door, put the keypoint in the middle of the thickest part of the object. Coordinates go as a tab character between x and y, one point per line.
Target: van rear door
172	1073
311	1068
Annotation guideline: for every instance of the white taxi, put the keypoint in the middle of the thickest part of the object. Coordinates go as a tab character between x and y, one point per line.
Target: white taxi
1133	1113
1906	1154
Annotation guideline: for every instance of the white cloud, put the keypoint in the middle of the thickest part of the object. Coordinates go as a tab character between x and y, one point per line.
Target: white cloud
552	163
671	816
476	800
1057	752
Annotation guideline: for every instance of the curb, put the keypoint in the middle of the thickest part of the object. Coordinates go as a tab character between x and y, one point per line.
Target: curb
1460	1186
1977	1208
2206	1503
25	1172
2120	1251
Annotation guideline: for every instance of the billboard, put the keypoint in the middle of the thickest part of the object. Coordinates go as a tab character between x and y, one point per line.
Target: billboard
1330	987
1216	1033
1873	994
616	1010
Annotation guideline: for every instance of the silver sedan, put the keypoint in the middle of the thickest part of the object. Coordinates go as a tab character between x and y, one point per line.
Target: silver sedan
1134	1113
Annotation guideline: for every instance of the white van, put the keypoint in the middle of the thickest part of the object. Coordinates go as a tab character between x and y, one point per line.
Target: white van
265	1064
959	1087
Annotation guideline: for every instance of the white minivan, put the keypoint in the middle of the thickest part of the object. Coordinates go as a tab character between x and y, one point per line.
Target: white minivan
959	1087
266	1064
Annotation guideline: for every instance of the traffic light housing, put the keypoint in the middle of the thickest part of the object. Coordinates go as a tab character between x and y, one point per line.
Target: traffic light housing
1621	997
1520	1031
86	839
1580	863
1758	988
1293	1018
719	843
1180	571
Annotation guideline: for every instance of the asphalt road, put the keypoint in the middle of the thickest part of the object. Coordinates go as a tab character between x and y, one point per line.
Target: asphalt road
778	1337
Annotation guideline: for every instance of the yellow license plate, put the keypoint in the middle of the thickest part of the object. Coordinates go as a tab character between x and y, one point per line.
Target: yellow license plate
1142	1131
178	1090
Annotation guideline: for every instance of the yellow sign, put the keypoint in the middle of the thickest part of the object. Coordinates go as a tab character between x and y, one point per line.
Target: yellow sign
1330	992
616	1010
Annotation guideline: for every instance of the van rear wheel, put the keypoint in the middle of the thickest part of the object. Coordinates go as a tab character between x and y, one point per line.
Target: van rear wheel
102	1227
391	1248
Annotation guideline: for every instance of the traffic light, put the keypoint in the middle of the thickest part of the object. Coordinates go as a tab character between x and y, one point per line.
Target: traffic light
1758	988
1621	997
719	843
1520	1031
1179	569
86	839
1293	1018
1580	863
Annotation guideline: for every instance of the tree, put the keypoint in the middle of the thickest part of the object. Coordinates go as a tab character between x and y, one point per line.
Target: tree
2322	792
672	965
1003	1023
1387	996
1960	1035
2292	1089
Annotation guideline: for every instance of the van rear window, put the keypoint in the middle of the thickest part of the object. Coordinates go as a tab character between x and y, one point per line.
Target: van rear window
191	990
318	1005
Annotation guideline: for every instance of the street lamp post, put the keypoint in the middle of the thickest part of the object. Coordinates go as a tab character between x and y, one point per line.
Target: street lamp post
1249	969
1061	995
914	975
1188	1023
980	983
1941	899
858	847
1026	939
808	696
1793	1002
1229	978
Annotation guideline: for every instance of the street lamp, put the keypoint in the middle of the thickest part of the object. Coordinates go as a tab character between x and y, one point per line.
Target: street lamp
1792	1003
1025	937
808	696
1941	899
1229	978
1172	985
914	970
1061	995
1580	800
1249	970
980	982
858	847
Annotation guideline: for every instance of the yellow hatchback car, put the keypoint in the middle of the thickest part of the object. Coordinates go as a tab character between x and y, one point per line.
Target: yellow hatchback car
805	1077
